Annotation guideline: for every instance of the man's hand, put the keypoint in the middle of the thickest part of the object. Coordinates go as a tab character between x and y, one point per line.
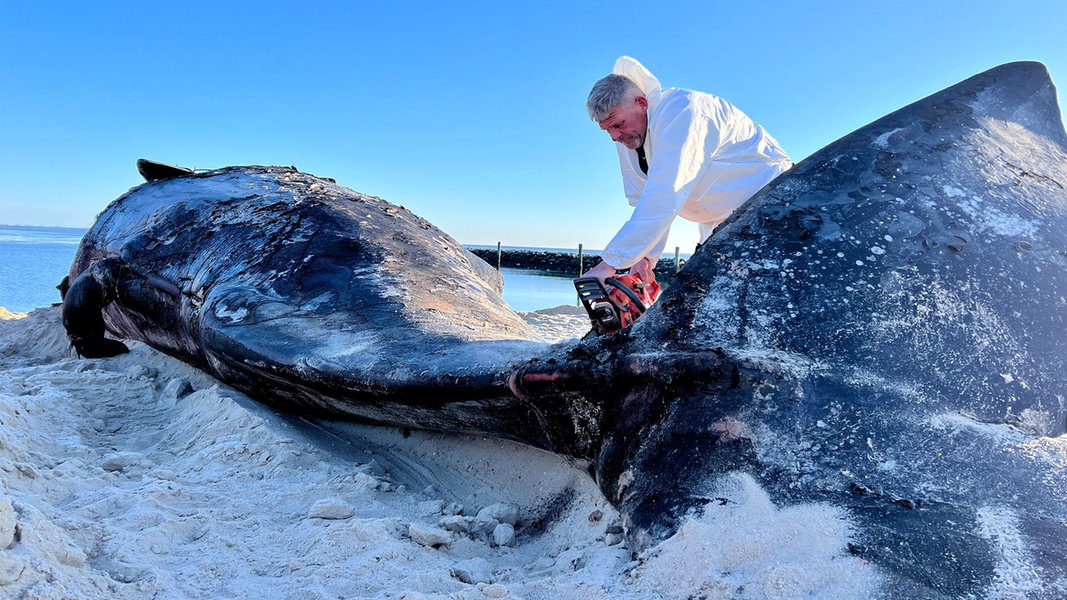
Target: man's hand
602	271
645	269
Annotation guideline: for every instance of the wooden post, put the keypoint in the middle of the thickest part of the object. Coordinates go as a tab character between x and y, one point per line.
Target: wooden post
677	259
498	256
581	265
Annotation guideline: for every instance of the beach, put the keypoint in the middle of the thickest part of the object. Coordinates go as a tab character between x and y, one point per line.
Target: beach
141	477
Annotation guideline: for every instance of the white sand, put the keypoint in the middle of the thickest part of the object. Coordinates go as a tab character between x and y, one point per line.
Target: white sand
140	477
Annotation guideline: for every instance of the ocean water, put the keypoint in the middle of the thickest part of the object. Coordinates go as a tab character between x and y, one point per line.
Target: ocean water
33	260
532	290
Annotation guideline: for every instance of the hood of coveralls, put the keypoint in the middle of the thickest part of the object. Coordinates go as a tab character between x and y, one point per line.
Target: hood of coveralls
636	72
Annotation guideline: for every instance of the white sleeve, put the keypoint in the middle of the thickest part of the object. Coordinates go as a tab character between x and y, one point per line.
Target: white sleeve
657	250
681	145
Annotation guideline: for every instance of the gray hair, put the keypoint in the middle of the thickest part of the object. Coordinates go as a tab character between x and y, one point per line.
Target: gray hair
609	93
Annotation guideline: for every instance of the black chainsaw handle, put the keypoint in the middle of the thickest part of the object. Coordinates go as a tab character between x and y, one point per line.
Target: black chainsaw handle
632	295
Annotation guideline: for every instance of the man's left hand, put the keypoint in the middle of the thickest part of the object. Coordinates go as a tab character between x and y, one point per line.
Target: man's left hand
645	269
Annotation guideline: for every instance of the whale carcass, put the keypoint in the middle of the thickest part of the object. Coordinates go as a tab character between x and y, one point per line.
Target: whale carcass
883	328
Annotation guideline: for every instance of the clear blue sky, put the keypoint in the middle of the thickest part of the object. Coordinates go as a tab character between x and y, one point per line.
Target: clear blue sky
469	113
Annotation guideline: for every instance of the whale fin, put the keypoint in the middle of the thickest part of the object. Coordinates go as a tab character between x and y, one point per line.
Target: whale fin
157	171
82	318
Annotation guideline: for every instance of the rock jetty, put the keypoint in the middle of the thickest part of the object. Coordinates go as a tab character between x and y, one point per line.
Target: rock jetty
558	262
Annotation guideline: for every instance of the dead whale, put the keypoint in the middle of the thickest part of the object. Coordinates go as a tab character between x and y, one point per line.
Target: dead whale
306	295
882	329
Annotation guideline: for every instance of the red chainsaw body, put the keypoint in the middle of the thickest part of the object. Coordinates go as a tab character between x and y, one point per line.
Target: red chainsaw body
614	305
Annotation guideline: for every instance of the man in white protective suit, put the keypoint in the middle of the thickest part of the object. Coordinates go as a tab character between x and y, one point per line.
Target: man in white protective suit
683	154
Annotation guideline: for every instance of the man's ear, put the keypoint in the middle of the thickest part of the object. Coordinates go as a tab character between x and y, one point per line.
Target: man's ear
642	102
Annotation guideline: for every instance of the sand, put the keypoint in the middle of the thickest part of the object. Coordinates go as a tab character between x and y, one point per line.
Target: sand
141	477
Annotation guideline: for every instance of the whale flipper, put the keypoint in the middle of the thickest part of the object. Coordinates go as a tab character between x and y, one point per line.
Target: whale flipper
83	302
157	171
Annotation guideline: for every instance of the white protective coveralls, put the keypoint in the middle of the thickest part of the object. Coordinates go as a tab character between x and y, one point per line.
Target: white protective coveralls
705	158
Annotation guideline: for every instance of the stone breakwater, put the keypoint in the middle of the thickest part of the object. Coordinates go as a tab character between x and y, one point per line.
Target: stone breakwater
558	263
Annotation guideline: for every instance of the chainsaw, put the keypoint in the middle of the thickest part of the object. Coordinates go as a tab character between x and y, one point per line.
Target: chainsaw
614	305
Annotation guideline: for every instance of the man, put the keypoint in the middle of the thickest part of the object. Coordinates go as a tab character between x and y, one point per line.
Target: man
683	153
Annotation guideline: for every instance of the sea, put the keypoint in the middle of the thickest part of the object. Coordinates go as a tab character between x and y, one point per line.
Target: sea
33	260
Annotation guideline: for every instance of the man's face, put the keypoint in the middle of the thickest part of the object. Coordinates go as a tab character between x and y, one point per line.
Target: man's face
628	122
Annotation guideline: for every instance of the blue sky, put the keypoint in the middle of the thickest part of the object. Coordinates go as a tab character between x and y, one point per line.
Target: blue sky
469	113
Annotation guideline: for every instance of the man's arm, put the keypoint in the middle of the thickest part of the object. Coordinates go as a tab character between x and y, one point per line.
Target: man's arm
682	143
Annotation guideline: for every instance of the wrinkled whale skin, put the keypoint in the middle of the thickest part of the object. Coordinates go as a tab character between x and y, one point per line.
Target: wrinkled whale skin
880	329
310	296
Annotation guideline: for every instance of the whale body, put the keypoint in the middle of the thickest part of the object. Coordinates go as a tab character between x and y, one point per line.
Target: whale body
883	328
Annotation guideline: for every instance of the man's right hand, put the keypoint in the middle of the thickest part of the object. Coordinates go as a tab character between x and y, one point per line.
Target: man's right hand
602	271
